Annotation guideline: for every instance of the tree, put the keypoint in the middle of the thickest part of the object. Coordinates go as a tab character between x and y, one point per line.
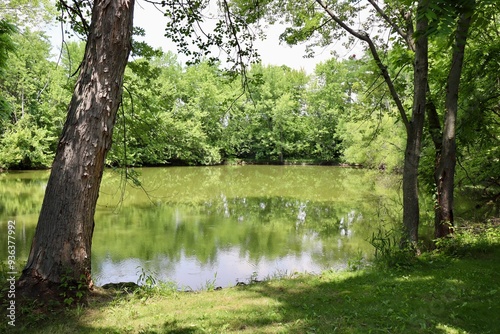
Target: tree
27	12
61	247
7	46
401	23
350	108
33	120
446	146
336	20
329	98
478	126
274	110
444	174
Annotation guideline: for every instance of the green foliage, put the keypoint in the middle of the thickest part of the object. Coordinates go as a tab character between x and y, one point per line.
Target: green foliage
28	13
376	142
356	263
71	58
7	44
169	115
389	252
31	85
150	286
271	123
478	138
77	15
470	241
198	116
72	291
227	33
477	122
26	146
141	48
146	279
359	121
211	284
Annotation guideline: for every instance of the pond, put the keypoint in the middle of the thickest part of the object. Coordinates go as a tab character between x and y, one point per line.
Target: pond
201	226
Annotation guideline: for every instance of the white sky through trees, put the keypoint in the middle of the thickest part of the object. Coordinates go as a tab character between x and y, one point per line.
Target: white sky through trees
146	16
270	50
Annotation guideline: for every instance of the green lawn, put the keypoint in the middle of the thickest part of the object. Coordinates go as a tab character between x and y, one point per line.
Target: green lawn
438	294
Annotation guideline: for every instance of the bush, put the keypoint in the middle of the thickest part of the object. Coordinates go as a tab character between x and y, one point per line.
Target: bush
24	145
388	250
473	240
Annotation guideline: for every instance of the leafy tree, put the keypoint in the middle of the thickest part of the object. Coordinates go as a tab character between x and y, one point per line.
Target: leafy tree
25	145
321	23
202	105
478	125
171	114
62	242
31	86
273	121
7	46
408	25
140	134
27	13
444	173
328	99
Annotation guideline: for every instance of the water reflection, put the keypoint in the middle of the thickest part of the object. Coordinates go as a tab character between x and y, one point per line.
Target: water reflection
199	224
231	267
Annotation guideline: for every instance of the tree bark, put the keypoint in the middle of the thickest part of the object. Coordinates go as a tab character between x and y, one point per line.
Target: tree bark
414	126
61	247
411	211
444	174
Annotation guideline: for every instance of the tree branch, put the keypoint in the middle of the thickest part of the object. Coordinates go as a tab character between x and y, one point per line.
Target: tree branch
387	19
361	35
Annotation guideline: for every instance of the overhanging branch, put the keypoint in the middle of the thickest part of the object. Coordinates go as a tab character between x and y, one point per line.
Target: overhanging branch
361	35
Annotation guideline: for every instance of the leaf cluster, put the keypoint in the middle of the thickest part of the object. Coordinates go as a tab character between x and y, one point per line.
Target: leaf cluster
76	13
203	32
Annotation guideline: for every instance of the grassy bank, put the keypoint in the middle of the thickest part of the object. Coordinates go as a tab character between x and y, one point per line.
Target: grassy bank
454	291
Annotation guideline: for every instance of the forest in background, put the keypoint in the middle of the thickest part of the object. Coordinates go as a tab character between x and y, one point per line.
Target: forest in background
202	114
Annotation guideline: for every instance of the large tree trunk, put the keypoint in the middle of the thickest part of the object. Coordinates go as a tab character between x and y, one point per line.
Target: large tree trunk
444	173
61	247
411	212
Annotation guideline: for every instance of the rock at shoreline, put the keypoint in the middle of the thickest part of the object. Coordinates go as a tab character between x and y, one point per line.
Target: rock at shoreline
124	286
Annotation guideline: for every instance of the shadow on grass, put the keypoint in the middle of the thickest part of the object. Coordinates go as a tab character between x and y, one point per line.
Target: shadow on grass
34	318
170	327
456	297
440	296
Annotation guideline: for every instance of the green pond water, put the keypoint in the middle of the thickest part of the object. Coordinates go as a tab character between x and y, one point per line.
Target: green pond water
219	225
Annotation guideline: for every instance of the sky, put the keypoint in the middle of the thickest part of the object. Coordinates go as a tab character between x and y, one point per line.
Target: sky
271	51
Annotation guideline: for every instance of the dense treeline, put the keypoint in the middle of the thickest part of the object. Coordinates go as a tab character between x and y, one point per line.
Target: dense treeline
198	114
202	115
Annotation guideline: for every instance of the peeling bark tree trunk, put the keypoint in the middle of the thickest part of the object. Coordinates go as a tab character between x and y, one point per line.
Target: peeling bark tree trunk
444	174
61	247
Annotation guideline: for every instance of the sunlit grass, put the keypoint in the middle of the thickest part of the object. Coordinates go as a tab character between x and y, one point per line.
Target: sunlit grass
438	294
